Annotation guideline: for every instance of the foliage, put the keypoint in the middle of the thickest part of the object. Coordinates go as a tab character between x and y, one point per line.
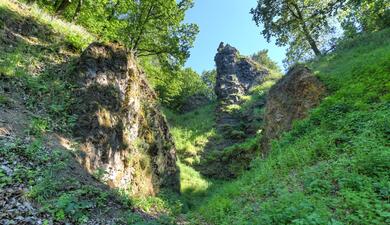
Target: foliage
174	88
151	29
38	126
297	23
263	59
331	168
209	77
53	184
365	16
314	26
38	70
192	131
146	27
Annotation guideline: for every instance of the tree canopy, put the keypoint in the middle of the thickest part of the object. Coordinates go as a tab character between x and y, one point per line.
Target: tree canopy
312	26
292	21
146	27
262	58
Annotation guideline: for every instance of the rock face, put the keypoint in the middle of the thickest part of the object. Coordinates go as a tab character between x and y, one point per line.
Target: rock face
290	99
235	74
125	138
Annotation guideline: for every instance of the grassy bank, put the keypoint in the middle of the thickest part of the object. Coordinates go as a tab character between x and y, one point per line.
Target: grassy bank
333	167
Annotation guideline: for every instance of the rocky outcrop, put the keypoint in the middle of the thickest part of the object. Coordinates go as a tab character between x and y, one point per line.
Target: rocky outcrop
125	138
288	100
236	75
224	157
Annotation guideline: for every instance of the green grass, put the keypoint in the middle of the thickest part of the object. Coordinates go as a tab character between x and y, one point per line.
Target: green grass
38	61
192	132
53	185
333	167
74	35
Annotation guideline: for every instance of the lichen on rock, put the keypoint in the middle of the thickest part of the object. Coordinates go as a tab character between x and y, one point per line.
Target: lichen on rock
123	132
236	75
288	100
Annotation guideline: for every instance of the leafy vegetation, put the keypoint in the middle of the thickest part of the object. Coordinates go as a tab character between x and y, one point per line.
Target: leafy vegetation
146	27
53	184
153	31
192	132
175	88
312	26
262	58
332	167
31	61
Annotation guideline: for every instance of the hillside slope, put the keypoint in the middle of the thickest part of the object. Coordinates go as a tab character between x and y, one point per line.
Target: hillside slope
40	180
333	167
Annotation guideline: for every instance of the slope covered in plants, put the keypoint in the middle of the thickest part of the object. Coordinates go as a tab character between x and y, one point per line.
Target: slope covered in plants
331	168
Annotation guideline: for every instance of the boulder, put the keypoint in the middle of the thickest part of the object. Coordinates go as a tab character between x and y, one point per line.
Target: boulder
125	139
290	99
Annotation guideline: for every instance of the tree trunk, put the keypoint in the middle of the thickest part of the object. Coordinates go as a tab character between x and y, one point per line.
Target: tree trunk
62	5
311	41
78	9
306	31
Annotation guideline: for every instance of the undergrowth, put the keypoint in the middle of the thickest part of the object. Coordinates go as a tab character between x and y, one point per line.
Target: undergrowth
48	174
331	168
192	131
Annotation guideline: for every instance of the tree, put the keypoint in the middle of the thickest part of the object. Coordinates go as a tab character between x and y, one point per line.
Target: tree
174	88
262	58
146	27
209	77
296	22
155	27
62	5
365	16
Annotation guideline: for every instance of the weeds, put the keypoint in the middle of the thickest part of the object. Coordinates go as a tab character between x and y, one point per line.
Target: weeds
331	168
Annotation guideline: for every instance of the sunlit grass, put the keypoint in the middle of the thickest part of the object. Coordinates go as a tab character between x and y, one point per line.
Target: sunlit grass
333	167
192	131
74	34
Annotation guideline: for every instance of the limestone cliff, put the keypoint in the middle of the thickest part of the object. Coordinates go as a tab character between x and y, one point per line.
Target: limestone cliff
288	100
125	137
236	76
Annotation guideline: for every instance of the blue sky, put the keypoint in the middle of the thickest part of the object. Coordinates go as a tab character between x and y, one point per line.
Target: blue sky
228	21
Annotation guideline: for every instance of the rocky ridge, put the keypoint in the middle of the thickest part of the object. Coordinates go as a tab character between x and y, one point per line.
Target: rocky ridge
288	100
124	134
236	75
